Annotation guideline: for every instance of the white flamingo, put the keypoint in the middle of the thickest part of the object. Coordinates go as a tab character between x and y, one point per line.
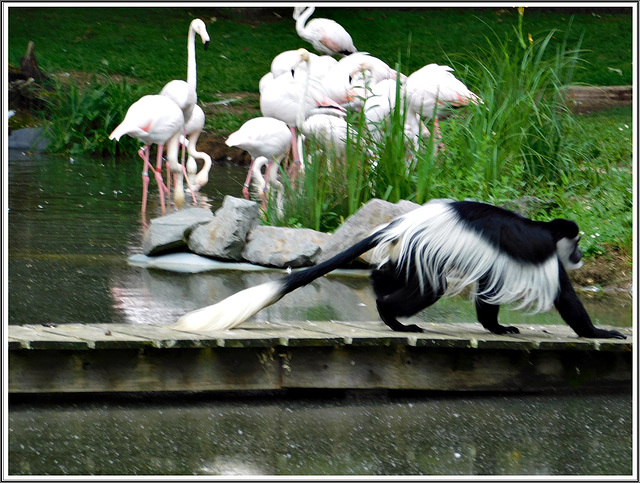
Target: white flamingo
435	87
154	119
327	36
289	61
329	131
182	92
261	136
260	186
290	99
346	81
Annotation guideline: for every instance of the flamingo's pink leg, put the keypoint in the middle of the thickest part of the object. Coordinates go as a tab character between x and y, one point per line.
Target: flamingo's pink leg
161	187
142	152
295	165
263	195
193	190
245	187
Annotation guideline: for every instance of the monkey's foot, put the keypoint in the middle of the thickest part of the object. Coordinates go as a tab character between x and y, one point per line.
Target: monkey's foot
504	329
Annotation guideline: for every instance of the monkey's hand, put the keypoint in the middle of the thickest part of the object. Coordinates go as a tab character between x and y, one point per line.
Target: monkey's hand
409	328
608	334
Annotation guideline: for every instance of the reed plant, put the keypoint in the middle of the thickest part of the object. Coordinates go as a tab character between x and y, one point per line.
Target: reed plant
520	128
79	119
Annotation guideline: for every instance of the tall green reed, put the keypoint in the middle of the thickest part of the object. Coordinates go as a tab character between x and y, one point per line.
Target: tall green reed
79	120
519	130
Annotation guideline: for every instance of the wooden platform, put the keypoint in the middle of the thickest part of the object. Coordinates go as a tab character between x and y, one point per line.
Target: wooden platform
79	358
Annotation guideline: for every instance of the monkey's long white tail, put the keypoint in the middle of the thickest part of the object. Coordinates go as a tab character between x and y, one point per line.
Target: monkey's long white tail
233	310
237	308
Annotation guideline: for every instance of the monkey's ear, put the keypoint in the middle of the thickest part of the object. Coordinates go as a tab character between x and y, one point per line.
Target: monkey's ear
562	228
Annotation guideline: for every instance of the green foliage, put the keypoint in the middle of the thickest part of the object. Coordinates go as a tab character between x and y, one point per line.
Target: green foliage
519	129
79	120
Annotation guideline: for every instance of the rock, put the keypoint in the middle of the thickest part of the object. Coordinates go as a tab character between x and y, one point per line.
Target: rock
225	236
361	224
28	139
170	233
274	246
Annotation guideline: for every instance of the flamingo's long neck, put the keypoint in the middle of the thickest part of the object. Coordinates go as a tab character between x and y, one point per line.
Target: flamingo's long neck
302	19
303	98
191	58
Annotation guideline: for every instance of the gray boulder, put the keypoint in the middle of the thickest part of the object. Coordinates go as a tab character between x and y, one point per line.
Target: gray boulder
361	224
274	246
170	233
225	236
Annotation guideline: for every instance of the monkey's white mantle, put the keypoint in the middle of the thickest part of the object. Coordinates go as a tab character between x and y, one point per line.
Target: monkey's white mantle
85	358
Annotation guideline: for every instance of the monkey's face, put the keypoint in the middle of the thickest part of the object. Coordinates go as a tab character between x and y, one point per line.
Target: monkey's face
569	253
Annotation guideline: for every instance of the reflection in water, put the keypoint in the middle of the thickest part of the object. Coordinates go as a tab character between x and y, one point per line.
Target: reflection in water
429	435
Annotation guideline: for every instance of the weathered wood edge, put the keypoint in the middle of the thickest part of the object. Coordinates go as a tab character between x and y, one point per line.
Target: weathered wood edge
300	334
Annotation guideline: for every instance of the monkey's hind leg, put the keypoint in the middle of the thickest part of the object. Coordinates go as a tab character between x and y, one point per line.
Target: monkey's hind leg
397	297
488	315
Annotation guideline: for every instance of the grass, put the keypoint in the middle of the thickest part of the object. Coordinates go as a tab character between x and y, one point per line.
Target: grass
149	43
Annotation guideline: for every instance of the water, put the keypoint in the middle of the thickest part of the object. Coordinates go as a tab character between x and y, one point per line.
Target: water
72	225
332	435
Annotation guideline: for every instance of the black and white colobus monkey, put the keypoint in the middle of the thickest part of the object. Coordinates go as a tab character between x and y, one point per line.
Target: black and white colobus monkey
436	250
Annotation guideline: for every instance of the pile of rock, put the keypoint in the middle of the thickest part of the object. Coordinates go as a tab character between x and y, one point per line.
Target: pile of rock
233	233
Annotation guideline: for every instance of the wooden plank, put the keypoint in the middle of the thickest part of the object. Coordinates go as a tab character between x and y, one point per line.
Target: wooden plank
158	336
238	338
97	336
43	337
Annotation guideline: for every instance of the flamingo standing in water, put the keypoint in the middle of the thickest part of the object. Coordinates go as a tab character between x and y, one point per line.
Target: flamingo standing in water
261	186
261	136
183	93
327	36
154	119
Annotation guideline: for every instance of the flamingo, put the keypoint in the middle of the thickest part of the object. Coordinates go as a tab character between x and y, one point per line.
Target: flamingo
192	129
154	119
289	60
327	36
260	185
345	81
182	92
434	85
329	131
289	99
379	102
261	136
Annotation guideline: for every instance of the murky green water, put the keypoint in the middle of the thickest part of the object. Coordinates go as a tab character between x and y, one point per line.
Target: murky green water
72	226
426	435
